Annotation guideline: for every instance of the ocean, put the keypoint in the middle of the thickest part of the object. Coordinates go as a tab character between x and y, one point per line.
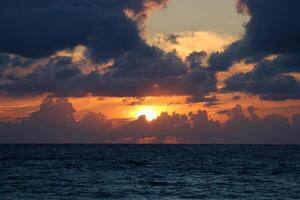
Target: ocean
151	172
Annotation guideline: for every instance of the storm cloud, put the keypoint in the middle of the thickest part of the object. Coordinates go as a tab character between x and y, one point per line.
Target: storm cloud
39	29
120	63
149	72
272	29
270	79
110	32
271	42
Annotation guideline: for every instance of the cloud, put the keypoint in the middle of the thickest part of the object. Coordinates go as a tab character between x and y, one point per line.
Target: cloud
135	101
187	42
93	48
54	123
39	29
270	79
274	49
272	29
148	72
117	62
149	63
279	87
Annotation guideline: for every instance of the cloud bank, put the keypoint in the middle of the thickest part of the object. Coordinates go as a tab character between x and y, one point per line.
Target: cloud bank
149	72
54	123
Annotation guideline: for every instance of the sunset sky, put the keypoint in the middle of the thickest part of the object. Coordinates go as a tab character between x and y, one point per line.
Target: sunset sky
232	59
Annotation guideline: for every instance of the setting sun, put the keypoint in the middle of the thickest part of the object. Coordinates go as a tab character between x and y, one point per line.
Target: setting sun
149	113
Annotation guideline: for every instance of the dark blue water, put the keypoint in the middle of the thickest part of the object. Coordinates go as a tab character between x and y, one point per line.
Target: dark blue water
149	172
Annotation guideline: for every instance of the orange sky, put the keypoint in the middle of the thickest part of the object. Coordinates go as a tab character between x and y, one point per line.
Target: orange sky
121	108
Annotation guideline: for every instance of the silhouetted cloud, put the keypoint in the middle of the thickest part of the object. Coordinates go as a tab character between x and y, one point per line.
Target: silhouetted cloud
134	101
54	123
150	72
110	31
38	29
269	79
172	38
263	36
272	30
200	75
122	64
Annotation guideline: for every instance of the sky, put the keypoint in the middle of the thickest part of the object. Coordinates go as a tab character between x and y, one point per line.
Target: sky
194	15
150	71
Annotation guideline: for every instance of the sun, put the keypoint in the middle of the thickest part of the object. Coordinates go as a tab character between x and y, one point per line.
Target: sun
149	113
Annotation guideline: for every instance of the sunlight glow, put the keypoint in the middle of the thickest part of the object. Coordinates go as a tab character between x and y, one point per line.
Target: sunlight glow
149	113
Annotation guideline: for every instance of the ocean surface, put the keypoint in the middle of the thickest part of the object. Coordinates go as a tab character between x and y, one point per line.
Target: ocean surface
149	172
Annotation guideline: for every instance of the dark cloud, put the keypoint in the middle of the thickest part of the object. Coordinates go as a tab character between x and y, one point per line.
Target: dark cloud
149	72
211	104
236	98
110	30
150	63
210	101
201	76
54	123
173	38
269	79
9	62
279	87
137	101
175	103
38	29
272	29
195	59
56	75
